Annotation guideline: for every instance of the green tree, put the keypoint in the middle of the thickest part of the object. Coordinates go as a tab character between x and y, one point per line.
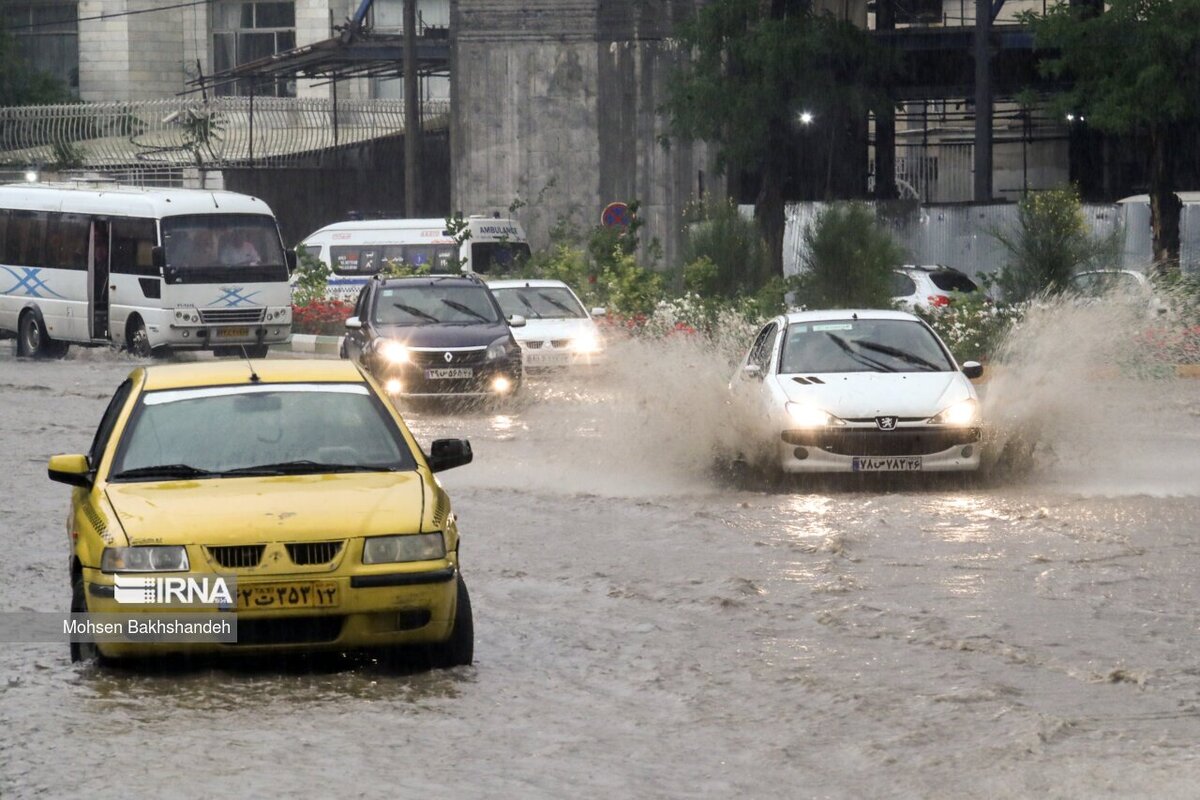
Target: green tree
1049	244
848	260
1131	69
21	85
726	249
755	66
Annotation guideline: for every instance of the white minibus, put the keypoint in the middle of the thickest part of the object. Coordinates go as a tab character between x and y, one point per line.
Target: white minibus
359	249
148	269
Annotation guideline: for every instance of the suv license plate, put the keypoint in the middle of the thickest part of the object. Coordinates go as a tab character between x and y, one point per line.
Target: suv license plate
885	464
449	373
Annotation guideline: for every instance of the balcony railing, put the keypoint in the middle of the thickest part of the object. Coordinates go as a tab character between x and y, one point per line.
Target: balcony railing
192	132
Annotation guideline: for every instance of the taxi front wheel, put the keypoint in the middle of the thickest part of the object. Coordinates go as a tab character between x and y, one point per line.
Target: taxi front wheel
459	649
82	652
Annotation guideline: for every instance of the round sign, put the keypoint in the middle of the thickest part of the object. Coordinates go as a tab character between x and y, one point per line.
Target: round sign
616	215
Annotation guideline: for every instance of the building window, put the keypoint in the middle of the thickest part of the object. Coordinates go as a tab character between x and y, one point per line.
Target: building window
47	37
247	31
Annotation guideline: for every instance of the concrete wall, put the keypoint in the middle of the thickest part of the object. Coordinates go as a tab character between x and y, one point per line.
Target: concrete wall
557	99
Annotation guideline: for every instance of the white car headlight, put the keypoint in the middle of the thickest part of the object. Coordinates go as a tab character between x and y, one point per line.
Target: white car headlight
394	352
407	547
806	416
156	558
497	349
964	412
586	343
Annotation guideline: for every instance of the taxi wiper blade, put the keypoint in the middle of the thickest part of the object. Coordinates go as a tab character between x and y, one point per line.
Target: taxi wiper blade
306	467
165	471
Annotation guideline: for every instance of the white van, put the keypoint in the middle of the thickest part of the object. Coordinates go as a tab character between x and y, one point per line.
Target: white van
357	250
148	269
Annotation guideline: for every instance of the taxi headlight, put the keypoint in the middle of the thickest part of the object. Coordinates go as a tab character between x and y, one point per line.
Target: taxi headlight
407	547
586	343
394	352
156	558
497	349
806	416
964	412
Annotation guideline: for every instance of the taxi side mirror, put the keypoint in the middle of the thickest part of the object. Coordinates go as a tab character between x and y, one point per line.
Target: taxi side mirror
72	470
449	453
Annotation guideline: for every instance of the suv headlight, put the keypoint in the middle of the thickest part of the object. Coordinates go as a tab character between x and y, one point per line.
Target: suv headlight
498	349
406	547
156	558
806	416
964	412
394	352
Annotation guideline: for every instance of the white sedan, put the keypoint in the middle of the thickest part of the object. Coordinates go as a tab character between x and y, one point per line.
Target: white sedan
558	332
861	391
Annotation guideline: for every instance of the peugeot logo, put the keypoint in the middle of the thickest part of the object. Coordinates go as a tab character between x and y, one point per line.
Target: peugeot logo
448	357
886	423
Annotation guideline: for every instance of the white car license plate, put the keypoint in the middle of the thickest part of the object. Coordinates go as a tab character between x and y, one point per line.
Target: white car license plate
886	464
546	359
449	373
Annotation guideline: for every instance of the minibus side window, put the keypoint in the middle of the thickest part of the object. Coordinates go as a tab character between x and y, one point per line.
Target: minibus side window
133	241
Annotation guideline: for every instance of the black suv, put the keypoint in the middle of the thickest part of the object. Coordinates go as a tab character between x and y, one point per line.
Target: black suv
434	335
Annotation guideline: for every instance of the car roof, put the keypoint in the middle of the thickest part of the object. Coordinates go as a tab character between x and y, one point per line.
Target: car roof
234	371
516	283
928	268
848	313
428	280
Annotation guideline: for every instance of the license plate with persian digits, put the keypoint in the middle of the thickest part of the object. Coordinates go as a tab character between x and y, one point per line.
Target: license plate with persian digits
449	373
305	594
886	464
232	333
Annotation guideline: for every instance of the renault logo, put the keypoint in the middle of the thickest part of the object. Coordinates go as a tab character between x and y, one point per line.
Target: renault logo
886	423
448	357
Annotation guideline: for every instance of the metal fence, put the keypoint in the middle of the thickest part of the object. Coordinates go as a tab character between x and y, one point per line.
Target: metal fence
963	236
191	132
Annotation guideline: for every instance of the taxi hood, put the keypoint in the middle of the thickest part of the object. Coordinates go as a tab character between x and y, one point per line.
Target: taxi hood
867	394
255	510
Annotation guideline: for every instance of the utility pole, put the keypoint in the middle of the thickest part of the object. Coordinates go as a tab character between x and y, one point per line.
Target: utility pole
885	118
412	113
983	101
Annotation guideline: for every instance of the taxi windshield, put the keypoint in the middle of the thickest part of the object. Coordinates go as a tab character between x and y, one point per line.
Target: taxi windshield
265	429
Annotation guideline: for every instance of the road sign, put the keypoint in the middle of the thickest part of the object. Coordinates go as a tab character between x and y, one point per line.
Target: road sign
616	215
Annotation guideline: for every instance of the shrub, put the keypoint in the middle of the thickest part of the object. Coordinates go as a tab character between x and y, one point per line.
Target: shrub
721	237
971	327
321	317
311	280
1049	244
849	260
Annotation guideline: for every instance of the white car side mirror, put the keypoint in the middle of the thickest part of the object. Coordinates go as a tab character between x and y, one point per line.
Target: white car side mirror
516	321
752	371
353	323
972	369
599	312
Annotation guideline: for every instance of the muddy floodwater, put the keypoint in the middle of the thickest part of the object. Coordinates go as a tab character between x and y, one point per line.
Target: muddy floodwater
646	629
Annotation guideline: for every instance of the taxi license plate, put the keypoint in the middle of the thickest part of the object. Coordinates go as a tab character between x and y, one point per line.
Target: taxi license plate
232	333
449	373
886	464
307	594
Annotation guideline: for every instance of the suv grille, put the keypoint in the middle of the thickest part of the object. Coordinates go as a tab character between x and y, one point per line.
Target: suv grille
458	358
226	316
306	553
239	556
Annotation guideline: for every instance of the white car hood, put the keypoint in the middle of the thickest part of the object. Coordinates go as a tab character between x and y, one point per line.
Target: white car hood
544	330
870	394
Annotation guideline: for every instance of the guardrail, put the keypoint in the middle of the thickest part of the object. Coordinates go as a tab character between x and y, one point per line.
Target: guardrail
192	132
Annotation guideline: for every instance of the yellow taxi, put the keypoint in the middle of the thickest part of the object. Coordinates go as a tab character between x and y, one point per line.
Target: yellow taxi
296	481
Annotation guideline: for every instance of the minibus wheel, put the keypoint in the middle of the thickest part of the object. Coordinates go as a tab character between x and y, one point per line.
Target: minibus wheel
32	339
137	340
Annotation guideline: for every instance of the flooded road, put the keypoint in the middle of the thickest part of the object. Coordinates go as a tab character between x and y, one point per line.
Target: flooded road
645	631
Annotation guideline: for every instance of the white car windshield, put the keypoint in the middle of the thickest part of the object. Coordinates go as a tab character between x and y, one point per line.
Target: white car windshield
539	302
263	429
866	345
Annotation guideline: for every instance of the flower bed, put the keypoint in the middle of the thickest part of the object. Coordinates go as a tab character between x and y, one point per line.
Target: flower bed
321	317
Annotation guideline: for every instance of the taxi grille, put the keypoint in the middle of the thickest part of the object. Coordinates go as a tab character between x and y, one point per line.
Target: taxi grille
306	553
240	556
871	442
288	630
225	316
